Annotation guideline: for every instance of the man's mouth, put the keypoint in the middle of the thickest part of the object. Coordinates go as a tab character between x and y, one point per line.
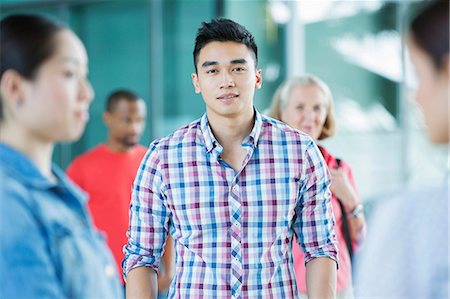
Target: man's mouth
229	97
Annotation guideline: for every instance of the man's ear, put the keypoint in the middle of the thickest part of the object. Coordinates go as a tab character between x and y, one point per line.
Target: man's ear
258	82
194	77
12	88
107	118
446	65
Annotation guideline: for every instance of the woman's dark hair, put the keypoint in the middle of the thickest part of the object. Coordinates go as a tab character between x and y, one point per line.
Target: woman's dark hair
26	41
430	30
222	30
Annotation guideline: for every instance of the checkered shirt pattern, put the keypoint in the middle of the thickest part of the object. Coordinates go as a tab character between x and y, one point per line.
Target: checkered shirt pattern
233	230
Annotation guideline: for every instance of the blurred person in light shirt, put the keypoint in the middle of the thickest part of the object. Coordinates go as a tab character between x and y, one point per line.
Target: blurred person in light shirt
407	246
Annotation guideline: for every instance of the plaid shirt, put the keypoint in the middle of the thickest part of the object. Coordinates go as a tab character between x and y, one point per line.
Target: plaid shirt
232	230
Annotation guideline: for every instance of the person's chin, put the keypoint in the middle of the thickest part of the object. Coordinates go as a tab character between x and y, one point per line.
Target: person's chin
72	134
309	132
130	142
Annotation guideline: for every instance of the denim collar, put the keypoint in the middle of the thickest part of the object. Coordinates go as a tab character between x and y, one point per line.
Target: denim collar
20	166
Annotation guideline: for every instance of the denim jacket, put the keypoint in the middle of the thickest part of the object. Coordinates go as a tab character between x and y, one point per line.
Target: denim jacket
48	246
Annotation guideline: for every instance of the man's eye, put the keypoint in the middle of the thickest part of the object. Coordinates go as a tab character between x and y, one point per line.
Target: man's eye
239	69
69	74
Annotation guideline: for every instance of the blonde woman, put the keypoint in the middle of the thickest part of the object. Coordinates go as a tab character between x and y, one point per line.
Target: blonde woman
306	104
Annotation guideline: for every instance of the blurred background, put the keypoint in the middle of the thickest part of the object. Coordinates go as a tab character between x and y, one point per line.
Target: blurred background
356	47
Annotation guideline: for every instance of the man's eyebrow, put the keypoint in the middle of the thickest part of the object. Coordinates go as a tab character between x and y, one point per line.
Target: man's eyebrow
209	63
234	61
238	61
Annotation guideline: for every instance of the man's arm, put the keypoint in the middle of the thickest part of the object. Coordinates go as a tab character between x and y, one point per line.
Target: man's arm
316	226
142	283
321	275
168	259
147	232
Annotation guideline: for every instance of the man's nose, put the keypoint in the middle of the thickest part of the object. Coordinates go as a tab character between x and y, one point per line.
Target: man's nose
227	80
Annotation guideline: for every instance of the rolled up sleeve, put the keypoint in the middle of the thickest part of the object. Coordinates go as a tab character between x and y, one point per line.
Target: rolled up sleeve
149	216
315	224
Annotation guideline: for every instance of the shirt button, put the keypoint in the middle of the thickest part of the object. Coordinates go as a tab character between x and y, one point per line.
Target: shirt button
110	271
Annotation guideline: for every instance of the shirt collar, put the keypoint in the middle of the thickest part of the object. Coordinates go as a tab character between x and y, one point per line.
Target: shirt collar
211	142
208	137
253	138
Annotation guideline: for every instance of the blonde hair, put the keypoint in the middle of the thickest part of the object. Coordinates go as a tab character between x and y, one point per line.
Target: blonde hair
281	99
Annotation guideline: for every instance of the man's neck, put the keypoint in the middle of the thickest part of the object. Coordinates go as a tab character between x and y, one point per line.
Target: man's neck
232	131
117	147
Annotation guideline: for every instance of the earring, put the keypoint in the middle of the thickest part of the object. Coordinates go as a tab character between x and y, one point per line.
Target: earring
19	103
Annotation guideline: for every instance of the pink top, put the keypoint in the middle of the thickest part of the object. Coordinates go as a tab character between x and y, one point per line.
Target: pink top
344	273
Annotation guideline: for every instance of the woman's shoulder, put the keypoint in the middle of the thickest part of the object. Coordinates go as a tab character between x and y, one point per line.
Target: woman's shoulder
12	189
408	232
419	209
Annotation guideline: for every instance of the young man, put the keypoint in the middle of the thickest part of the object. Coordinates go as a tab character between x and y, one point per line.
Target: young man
232	188
107	172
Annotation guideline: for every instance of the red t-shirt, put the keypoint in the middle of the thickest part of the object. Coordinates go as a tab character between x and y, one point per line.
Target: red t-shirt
107	177
344	273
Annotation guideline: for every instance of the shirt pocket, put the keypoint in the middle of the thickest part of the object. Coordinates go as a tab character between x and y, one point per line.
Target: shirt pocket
84	263
68	257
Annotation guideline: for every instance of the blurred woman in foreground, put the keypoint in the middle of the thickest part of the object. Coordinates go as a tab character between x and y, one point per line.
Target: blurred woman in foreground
407	248
49	248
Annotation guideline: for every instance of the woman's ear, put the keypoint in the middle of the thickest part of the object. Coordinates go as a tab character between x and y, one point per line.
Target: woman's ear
11	88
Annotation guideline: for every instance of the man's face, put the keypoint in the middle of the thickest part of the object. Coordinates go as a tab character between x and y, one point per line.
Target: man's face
227	79
126	122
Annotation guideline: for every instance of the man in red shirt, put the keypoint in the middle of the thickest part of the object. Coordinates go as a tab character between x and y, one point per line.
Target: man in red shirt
107	172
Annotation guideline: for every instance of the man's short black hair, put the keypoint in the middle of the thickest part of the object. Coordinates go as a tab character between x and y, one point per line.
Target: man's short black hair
118	95
223	30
